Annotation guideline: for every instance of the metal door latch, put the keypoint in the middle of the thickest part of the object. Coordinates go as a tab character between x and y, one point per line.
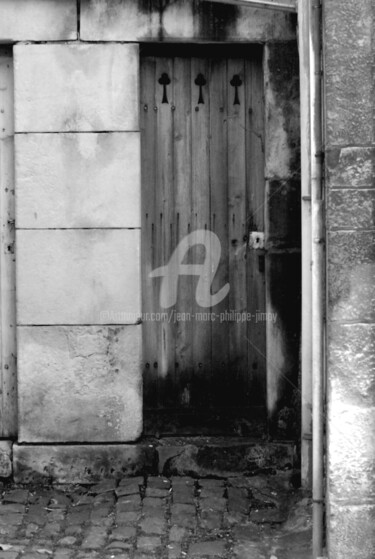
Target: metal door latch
256	240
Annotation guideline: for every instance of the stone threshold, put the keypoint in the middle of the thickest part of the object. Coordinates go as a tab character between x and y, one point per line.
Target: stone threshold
193	456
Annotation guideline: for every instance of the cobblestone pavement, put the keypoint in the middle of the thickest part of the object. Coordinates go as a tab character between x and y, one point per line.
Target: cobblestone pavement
164	518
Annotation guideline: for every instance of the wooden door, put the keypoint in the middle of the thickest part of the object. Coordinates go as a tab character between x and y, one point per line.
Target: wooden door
202	171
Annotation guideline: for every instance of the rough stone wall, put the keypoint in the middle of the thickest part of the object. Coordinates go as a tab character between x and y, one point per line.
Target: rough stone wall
77	158
349	97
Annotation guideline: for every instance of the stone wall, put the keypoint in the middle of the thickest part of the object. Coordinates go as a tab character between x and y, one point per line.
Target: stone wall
77	145
349	56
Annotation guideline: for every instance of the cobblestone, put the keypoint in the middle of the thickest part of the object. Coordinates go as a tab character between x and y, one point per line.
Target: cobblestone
123	533
12	508
211	520
155	517
94	539
161	483
183	495
127	517
214	503
177	534
210	548
16	496
174	550
148	543
153	525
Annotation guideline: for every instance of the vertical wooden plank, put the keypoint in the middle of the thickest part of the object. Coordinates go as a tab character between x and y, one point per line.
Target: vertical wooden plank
219	225
201	220
8	412
237	232
150	286
256	331
165	206
183	216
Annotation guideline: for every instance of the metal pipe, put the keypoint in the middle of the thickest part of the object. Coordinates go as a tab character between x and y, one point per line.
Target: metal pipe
318	259
306	327
286	5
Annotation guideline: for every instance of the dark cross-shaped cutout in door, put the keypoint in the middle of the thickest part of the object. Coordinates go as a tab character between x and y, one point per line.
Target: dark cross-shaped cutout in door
201	81
236	82
164	80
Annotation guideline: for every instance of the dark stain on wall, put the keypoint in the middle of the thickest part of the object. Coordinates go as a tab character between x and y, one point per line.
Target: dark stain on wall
215	20
284	213
284	258
144	6
147	6
285	293
284	73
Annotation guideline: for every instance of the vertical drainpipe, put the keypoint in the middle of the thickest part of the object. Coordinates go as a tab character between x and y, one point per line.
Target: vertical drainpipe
313	259
306	334
318	268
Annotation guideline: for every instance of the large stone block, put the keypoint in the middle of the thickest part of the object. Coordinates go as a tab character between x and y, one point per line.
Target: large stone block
351	209
219	458
350	166
348	71
351	448
351	361
78	180
81	463
137	20
351	532
22	20
78	276
351	272
76	87
79	384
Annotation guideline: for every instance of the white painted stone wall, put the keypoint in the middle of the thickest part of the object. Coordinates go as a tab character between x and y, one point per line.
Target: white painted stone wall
78	180
38	20
79	383
78	276
76	88
78	242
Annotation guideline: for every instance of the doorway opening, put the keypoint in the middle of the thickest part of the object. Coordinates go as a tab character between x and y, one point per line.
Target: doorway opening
220	250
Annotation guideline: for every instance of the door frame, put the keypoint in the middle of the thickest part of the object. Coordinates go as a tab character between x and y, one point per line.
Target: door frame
276	97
